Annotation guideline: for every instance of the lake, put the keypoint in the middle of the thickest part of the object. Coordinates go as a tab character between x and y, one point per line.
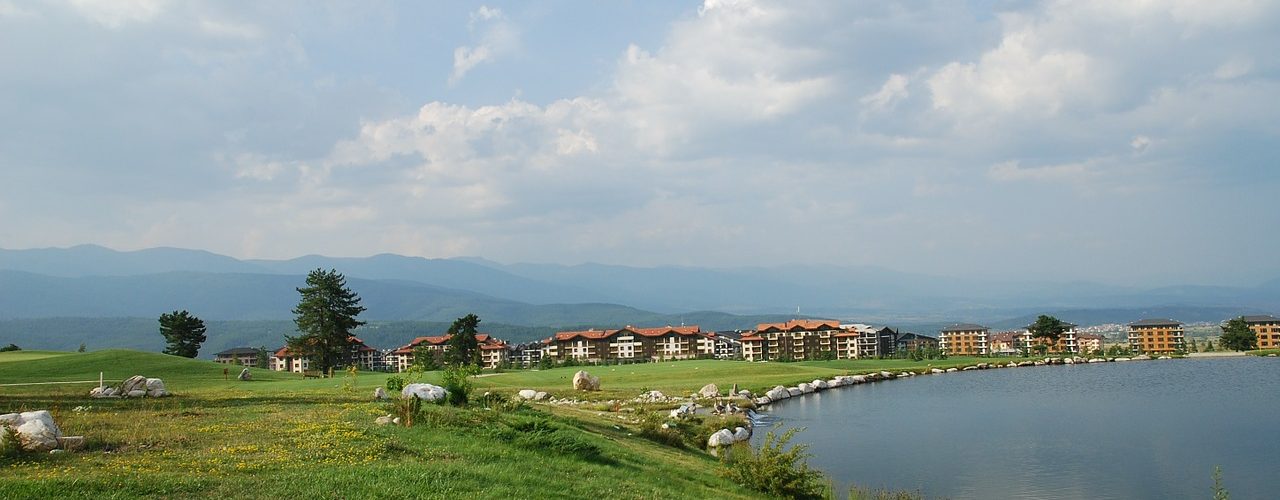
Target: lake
1141	429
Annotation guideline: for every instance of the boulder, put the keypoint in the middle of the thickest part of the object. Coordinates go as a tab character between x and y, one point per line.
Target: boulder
819	384
763	400
103	392
722	437
936	371
778	393
969	368
858	379
1122	359
741	434
71	443
1069	361
583	381
886	375
384	420
709	391
1097	360
805	387
794	391
379	393
425	392
155	388
244	375
539	396
134	383
527	393
35	430
136	393
952	370
1011	365
745	393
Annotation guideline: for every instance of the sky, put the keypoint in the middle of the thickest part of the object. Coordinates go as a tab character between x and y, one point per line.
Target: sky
1122	142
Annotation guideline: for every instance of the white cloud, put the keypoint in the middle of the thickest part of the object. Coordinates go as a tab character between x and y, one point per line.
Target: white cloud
893	90
1140	143
1010	171
118	13
497	38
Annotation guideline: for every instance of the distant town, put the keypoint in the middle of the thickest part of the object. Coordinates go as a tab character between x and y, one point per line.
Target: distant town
794	340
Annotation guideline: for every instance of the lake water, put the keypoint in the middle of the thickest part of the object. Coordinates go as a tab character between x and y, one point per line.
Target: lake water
1142	429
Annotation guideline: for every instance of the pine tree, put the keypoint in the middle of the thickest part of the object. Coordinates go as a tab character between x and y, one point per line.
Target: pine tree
182	332
462	347
1237	336
325	316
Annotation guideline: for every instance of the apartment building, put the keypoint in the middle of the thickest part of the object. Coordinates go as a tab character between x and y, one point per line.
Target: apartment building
1267	328
245	356
1089	342
964	339
358	354
629	344
493	352
795	340
1066	343
1156	336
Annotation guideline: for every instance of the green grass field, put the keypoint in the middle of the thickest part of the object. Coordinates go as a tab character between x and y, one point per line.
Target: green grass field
281	435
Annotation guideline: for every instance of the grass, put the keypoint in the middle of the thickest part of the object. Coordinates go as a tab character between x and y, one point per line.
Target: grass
281	435
1264	352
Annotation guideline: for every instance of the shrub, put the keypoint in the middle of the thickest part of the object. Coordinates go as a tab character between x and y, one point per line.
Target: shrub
535	432
651	429
10	347
457	381
775	470
9	446
395	384
408	409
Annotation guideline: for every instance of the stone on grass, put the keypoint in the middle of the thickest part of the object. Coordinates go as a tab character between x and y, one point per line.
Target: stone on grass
527	393
137	393
936	371
155	388
134	383
952	370
722	437
244	375
34	430
379	393
384	420
709	391
425	392
741	434
539	396
805	387
778	393
583	381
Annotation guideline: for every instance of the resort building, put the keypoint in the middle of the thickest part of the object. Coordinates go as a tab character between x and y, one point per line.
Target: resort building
246	356
284	360
963	339
358	354
726	345
877	343
493	352
1089	342
1005	343
525	355
795	340
908	342
629	344
1066	343
1267	328
1156	336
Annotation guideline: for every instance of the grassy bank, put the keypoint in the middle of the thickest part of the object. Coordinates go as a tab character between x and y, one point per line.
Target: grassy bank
283	435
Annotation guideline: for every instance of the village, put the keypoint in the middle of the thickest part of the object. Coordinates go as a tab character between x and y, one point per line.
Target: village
794	340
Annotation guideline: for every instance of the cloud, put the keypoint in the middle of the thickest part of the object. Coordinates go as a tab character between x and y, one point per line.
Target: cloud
497	37
1011	171
119	13
893	90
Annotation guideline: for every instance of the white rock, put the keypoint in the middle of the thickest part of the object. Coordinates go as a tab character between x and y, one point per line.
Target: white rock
154	384
722	437
1122	359
744	393
379	393
134	383
157	393
583	381
886	374
1011	365
539	396
1165	357
527	393
244	375
1069	361
136	393
952	370
778	393
805	387
859	379
741	434
936	371
36	431
709	391
384	420
396	420
1097	360
794	391
819	384
425	392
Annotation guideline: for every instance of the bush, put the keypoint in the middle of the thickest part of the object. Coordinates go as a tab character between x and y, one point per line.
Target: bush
395	384
408	409
651	429
9	446
457	381
540	433
775	470
10	347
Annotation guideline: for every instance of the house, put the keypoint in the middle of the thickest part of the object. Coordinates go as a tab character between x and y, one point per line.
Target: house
1156	336
525	355
1006	343
908	342
358	354
726	345
246	356
1267	328
796	340
1089	342
964	339
493	352
629	344
1065	344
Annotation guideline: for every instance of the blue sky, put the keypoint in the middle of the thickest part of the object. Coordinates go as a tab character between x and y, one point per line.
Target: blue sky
1124	142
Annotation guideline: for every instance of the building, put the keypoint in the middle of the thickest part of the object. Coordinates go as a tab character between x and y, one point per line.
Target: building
1089	342
877	343
1005	343
964	339
493	352
794	340
629	344
1267	328
908	342
358	354
525	355
245	356
1156	336
1066	343
726	345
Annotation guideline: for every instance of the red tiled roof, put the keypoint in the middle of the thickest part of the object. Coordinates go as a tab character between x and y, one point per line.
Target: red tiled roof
751	338
482	338
800	324
660	331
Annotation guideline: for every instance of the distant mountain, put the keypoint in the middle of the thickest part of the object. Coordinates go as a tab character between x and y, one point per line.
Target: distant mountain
1185	314
94	260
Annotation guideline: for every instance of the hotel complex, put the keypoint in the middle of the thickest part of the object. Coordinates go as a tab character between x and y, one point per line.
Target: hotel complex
1156	336
1267	328
964	339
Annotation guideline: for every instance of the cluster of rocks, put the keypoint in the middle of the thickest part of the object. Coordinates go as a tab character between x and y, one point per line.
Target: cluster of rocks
425	392
654	397
726	437
136	386
583	381
531	395
36	431
387	420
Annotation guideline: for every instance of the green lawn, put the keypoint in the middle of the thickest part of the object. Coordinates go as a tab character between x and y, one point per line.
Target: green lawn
281	435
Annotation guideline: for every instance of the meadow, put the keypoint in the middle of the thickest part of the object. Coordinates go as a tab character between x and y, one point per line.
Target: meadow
281	435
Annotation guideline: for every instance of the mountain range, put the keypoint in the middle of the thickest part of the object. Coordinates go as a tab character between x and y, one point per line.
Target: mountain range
89	281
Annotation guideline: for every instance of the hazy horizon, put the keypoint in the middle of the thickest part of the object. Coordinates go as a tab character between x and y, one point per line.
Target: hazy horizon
1117	143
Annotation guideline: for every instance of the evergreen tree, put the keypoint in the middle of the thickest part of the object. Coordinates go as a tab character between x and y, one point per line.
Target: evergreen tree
325	316
1237	336
182	332
260	360
1208	346
462	347
1194	347
1048	328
